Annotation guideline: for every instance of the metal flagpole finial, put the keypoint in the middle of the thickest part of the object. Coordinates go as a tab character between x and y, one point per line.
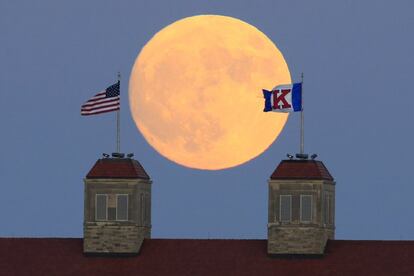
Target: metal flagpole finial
119	76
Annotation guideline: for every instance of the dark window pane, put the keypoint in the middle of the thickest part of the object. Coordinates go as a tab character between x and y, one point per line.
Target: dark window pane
295	208
100	205
285	208
111	213
331	211
306	208
326	209
142	209
148	209
122	207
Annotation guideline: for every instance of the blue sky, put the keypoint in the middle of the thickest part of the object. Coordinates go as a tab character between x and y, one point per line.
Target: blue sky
358	64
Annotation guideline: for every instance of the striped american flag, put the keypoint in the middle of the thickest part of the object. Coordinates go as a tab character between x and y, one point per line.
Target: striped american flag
105	101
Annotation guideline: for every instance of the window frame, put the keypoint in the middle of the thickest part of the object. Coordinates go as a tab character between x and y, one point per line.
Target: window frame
127	206
290	209
147	209
96	207
326	209
142	207
311	209
331	210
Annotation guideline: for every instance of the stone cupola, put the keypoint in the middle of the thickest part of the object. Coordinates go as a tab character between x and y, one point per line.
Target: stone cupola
117	206
301	216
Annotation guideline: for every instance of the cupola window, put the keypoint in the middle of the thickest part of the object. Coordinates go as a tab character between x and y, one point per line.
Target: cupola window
111	207
122	207
305	208
285	208
101	210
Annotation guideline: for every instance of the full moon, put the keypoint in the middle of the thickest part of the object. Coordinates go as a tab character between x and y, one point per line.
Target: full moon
195	92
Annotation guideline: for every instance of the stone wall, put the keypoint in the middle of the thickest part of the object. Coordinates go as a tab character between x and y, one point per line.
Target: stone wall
296	236
115	236
297	239
108	237
133	187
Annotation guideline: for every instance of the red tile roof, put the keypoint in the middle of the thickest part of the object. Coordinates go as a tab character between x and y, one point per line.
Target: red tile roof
117	168
301	169
60	256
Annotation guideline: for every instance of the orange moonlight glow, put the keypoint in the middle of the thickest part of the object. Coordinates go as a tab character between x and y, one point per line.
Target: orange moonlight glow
196	92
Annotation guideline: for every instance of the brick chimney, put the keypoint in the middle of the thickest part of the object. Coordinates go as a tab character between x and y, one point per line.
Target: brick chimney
117	210
301	215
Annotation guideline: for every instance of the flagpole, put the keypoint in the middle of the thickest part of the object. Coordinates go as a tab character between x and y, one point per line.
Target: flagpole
118	119
302	131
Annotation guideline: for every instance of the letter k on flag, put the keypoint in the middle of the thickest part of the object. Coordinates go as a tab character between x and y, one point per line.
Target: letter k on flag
284	98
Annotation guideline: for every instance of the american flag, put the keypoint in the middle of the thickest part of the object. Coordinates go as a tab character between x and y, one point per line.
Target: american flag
105	101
